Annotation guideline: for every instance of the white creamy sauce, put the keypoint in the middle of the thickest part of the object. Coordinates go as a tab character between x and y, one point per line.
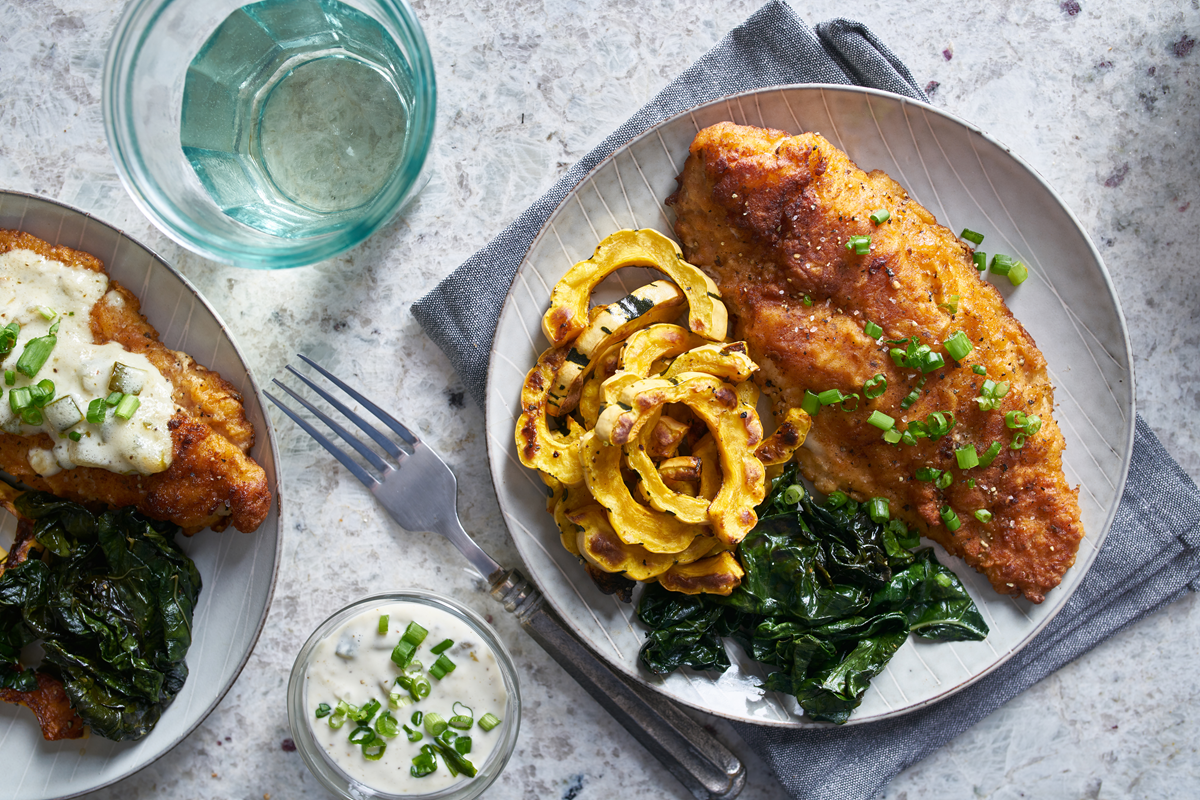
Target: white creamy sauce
354	664
81	369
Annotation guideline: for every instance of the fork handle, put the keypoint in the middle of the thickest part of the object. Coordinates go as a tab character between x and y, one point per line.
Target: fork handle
693	755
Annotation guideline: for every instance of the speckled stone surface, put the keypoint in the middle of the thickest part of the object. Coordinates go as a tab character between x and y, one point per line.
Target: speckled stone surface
1102	98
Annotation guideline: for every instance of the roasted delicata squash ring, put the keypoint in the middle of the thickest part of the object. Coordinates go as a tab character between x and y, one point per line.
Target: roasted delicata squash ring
658	495
780	446
664	439
633	522
727	361
748	393
568	313
710	466
590	398
644	348
653	303
600	546
538	447
680	468
719	574
569	500
736	430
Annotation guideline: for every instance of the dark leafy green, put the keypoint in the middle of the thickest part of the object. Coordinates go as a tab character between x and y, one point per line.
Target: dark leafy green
112	603
828	597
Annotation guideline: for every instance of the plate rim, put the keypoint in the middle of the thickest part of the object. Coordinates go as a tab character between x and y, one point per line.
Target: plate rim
272	446
1126	455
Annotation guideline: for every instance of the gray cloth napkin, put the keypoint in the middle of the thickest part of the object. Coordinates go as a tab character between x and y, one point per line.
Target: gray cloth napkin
1149	559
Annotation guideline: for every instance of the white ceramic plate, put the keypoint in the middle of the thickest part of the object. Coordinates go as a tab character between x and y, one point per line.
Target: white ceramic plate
237	570
966	179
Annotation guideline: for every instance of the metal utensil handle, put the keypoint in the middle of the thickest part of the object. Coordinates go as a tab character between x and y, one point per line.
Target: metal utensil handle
693	755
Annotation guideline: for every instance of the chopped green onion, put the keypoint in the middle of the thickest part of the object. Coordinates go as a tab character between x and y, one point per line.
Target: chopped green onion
416	718
435	725
8	338
387	725
402	654
807	300
362	735
951	303
95	412
930	361
859	244
1019	273
383	624
811	403
368	710
35	354
989	455
877	509
939	423
830	396
983	515
462	745
442	667
414	680
489	721
958	346
928	474
793	494
127	406
74	436
872	330
836	500
10	377
950	518
971	236
1001	264
461	721
1016	419
413	736
399	701
324	710
881	216
874	387
980	259
971	481
944	480
979	369
422	764
892	436
47	313
374	750
914	395
846	406
113	399
338	718
966	457
1033	425
881	420
441	647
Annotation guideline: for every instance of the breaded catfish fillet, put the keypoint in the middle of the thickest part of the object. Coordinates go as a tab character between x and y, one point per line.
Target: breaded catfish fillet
768	215
211	481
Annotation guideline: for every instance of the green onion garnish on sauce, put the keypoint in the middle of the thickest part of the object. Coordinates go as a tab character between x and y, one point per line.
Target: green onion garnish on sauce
387	725
958	346
441	647
435	724
403	652
35	354
383	624
126	407
8	338
971	236
416	718
881	216
324	710
74	436
489	721
413	736
442	667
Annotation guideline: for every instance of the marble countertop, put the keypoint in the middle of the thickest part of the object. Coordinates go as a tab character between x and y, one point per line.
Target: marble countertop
1102	98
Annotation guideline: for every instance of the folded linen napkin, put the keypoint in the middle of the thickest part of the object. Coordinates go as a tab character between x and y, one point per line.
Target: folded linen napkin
1152	553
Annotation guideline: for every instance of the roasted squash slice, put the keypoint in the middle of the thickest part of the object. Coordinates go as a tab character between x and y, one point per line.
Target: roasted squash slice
647	305
748	393
719	574
727	361
633	522
680	468
735	428
569	300
710	466
569	500
538	447
664	440
780	446
599	544
658	495
648	345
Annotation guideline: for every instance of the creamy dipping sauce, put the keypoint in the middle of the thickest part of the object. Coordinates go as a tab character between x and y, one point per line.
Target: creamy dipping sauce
354	664
37	293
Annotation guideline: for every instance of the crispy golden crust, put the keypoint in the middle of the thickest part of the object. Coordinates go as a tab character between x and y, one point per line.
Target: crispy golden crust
767	215
211	482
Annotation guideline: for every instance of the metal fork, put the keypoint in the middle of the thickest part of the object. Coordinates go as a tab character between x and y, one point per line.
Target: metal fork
420	492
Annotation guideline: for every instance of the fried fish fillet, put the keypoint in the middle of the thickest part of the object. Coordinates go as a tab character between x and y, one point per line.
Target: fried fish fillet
768	215
212	481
